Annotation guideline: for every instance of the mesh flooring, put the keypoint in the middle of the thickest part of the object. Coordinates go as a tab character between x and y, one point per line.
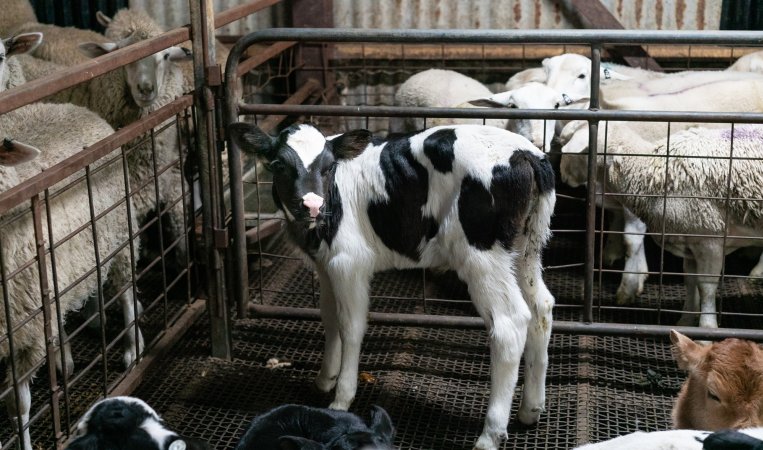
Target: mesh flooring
433	382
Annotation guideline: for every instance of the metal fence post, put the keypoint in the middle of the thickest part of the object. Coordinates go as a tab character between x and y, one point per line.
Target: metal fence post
215	235
590	235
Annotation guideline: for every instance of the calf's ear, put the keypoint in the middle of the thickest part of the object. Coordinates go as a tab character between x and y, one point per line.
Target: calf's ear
381	424
686	352
298	443
251	139
350	144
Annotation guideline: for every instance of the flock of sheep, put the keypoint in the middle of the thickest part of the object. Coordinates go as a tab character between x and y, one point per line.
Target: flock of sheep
697	163
85	256
42	135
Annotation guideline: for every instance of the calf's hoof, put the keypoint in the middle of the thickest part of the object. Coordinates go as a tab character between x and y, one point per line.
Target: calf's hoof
529	416
339	406
485	442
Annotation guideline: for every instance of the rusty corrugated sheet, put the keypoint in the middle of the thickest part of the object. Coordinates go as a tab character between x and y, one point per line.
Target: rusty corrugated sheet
526	14
174	13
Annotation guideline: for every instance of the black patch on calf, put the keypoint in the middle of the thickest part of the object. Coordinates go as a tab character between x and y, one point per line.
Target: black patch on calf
399	221
438	147
497	214
542	170
331	216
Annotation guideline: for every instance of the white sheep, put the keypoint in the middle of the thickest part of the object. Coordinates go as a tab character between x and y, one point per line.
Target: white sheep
124	96
61	44
519	79
128	20
15	13
446	88
570	74
49	128
690	173
751	62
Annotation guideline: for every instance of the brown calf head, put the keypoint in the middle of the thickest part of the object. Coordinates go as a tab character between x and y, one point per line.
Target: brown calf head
724	387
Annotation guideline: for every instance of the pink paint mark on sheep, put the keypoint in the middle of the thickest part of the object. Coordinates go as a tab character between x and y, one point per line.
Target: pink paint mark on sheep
313	202
749	132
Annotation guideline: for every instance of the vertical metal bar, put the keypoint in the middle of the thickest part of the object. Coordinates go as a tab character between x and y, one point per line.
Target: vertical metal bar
662	229
99	279
159	213
62	338
202	29
727	202
133	261
187	216
11	346
593	131
50	341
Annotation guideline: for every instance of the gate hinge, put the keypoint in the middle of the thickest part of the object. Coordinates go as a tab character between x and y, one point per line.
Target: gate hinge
214	75
221	237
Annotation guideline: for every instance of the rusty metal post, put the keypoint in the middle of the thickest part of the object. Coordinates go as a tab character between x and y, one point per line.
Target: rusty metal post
593	135
314	57
215	236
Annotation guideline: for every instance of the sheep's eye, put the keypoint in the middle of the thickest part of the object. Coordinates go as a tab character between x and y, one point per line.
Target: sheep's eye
556	106
2	58
581	76
713	397
276	166
166	56
512	105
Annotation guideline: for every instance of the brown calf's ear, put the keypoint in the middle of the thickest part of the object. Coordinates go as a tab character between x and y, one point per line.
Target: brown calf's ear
251	139
686	352
350	144
22	43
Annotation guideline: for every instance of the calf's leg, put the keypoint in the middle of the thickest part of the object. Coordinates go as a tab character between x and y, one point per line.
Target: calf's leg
332	353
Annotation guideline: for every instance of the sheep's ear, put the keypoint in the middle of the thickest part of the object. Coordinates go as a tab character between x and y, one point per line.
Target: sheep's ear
178	54
686	352
350	144
13	153
500	100
381	424
95	49
252	139
22	43
298	443
103	19
88	442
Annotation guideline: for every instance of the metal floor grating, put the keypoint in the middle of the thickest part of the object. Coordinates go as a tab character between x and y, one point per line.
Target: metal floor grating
433	382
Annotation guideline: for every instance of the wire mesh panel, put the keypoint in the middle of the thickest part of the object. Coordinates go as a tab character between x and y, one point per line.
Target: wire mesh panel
90	282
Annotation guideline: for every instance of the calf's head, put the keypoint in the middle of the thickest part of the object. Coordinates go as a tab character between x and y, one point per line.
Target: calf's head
302	161
724	388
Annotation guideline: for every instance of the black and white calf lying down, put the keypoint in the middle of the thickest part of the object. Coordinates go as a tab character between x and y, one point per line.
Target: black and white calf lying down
298	427
475	199
128	423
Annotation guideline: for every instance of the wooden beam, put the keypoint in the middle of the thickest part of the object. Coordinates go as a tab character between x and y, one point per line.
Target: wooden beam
313	56
592	14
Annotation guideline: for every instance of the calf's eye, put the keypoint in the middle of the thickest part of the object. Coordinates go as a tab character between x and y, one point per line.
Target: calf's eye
713	397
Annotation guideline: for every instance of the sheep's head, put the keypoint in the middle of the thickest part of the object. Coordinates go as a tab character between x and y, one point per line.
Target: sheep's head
531	96
16	45
571	73
724	388
574	164
144	77
301	160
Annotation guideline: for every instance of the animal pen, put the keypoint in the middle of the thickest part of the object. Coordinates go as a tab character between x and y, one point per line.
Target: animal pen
241	295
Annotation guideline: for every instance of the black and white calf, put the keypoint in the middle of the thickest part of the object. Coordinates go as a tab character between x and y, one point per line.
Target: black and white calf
476	199
299	427
128	423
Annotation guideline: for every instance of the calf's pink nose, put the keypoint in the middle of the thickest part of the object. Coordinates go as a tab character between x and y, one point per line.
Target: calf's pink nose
313	202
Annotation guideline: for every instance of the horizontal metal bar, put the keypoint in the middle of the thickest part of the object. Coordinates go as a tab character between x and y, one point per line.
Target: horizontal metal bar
455	36
503	113
38	183
239	12
560	327
70	76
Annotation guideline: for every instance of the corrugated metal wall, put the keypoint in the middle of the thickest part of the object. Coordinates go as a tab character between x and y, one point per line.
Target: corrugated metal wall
635	14
174	13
